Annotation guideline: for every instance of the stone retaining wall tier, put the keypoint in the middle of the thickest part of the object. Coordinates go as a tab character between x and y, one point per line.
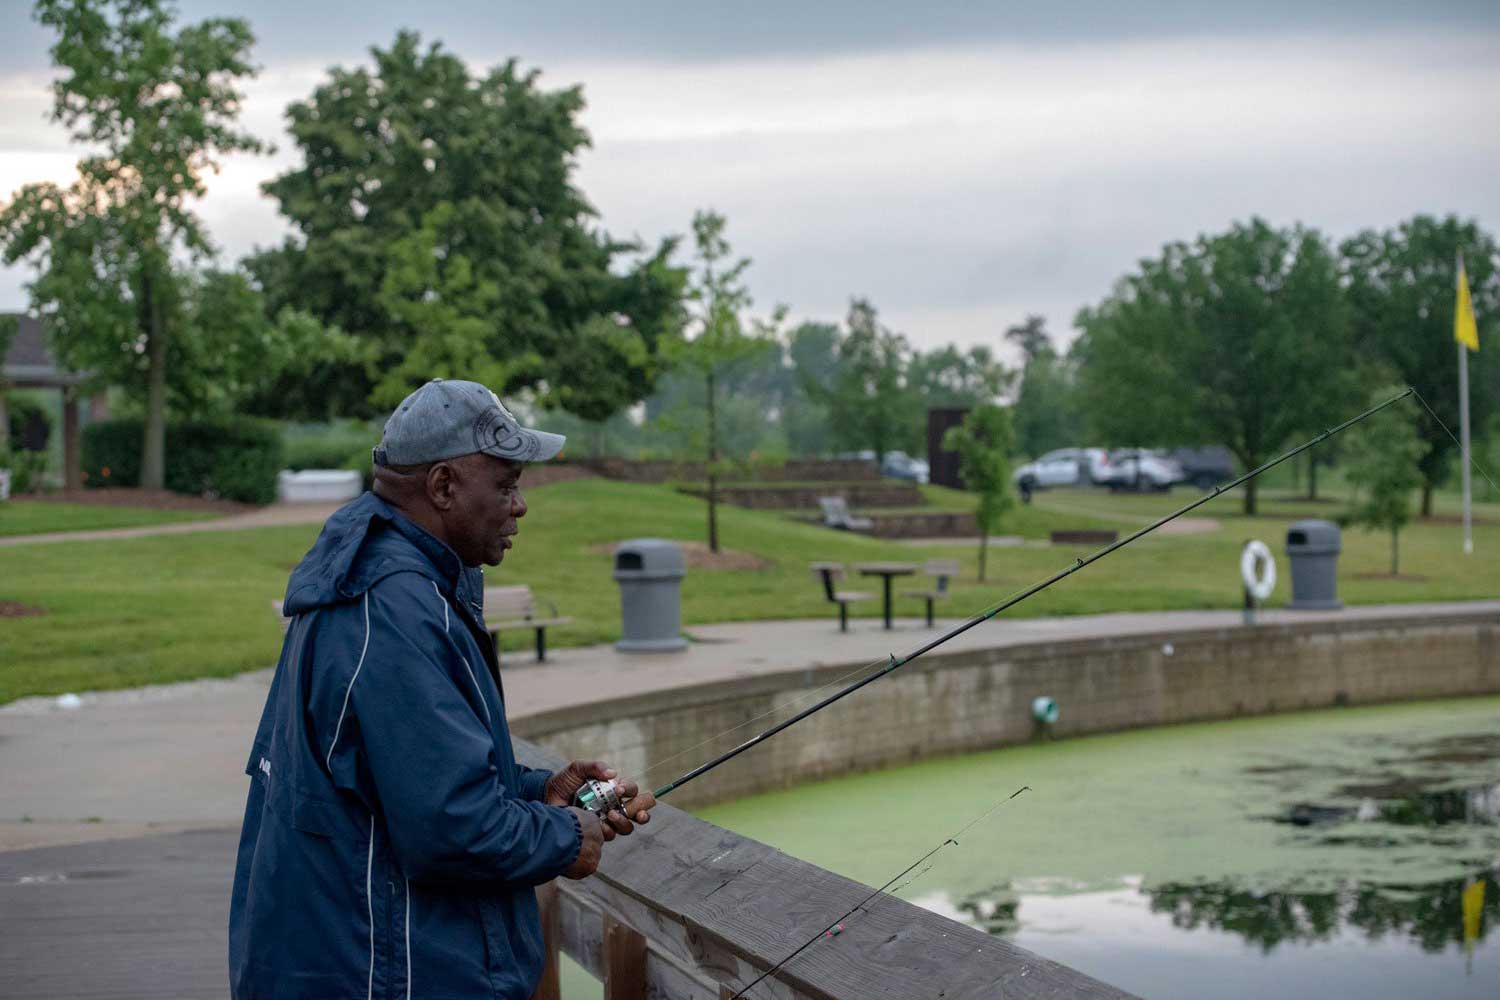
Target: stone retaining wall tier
796	470
859	496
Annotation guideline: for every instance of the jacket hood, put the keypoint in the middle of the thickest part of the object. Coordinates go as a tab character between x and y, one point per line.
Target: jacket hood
363	542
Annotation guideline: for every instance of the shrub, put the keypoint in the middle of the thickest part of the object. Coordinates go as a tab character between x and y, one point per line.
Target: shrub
30	427
325	446
235	461
26	469
363	462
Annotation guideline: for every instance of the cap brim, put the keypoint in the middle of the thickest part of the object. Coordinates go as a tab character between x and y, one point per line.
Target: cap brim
525	444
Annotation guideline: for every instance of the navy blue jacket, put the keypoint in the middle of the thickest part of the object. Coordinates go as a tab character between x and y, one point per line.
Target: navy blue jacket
391	842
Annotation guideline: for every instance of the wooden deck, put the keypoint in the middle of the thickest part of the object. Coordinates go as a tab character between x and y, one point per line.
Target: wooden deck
138	919
684	909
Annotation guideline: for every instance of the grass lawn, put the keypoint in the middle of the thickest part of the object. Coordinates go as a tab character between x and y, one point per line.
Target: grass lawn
36	517
168	608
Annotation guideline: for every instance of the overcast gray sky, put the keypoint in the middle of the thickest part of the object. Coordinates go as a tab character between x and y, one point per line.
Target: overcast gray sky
960	164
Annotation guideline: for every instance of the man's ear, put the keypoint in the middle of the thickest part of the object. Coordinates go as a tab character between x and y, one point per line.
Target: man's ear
442	485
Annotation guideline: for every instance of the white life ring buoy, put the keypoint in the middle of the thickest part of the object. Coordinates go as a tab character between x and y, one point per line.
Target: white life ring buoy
1258	569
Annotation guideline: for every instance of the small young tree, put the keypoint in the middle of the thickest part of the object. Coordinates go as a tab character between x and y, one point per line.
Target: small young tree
1384	466
719	337
984	442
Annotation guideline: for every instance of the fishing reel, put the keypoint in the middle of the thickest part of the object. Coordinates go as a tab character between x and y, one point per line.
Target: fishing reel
600	798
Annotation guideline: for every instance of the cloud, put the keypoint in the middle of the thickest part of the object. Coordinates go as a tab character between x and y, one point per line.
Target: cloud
963	186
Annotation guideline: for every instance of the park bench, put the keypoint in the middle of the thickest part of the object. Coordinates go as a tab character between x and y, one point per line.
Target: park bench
515	607
829	573
836	515
505	608
941	571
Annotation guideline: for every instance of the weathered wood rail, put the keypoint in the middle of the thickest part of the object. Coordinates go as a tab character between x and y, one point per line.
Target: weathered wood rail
685	910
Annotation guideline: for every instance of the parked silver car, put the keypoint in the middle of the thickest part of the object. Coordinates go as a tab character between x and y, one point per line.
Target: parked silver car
1142	469
1063	467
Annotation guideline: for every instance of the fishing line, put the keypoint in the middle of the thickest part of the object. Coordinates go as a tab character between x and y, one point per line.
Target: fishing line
599	796
838	922
796	700
1467	456
773	710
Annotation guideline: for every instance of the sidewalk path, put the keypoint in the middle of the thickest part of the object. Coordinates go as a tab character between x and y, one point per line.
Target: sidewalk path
172	757
265	517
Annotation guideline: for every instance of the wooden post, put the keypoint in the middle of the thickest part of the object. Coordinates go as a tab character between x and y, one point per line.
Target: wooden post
624	962
72	459
550	985
4	421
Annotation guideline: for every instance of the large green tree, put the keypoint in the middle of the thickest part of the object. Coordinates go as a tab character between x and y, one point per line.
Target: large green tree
950	376
812	350
1240	338
436	220
160	106
226	350
1044	415
1401	289
867	398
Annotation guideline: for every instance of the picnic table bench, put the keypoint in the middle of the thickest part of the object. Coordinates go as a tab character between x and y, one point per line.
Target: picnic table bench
830	573
941	571
505	608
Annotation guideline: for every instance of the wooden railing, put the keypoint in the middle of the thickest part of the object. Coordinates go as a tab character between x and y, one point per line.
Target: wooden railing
685	910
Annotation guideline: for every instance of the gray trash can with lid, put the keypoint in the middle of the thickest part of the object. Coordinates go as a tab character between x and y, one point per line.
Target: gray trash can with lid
1312	547
650	572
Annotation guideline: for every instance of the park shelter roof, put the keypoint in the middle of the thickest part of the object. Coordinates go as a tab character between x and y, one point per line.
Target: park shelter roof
29	363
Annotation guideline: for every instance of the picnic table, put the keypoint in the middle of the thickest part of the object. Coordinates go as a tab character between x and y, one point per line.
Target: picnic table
888	571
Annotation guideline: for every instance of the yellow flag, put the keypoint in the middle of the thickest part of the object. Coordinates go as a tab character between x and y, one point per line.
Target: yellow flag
1465	330
1472	902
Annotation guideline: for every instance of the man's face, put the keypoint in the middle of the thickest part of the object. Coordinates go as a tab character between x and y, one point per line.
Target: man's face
487	505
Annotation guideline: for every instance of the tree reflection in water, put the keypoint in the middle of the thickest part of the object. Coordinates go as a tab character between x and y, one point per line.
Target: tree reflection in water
1431	914
995	912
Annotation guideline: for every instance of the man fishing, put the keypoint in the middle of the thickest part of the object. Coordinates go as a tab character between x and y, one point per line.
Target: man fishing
391	842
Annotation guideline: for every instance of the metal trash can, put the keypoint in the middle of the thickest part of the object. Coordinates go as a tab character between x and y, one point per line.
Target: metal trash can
1312	547
650	572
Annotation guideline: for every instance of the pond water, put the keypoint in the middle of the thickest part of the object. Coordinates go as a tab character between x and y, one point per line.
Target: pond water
1322	854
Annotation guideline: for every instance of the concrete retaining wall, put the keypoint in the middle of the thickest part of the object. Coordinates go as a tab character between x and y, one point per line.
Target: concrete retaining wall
980	699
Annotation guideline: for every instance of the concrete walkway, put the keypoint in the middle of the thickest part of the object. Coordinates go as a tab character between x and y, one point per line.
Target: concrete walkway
172	757
265	517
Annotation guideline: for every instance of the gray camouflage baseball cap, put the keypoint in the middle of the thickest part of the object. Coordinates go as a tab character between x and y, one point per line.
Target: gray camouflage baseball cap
446	419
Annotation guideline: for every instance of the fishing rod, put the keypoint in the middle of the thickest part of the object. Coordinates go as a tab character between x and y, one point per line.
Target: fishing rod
603	796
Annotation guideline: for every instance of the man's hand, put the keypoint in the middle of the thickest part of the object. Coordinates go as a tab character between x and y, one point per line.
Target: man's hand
592	847
564	785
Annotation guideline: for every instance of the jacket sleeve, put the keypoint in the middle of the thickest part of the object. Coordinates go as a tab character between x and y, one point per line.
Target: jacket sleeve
534	783
408	726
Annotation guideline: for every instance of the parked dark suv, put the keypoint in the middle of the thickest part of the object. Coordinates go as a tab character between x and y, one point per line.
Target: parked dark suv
1205	467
